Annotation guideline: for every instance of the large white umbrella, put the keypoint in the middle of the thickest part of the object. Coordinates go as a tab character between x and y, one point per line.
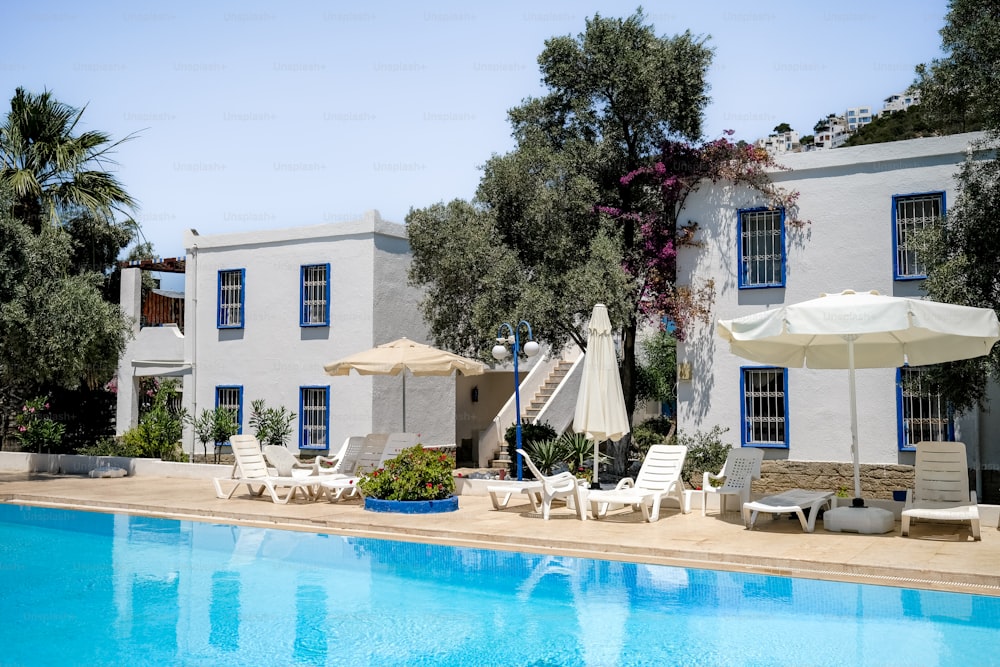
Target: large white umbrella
405	355
862	330
600	405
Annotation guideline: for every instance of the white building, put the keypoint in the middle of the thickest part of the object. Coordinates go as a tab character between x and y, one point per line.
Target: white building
858	117
863	203
780	142
265	310
901	101
831	135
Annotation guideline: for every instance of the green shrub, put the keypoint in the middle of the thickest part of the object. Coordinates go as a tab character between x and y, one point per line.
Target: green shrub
576	448
272	426
415	474
706	453
545	454
34	429
653	431
529	433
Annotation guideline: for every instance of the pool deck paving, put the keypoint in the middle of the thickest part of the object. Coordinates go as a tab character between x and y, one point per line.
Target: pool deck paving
937	556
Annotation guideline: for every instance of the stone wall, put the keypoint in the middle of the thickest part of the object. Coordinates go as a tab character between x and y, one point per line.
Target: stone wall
877	481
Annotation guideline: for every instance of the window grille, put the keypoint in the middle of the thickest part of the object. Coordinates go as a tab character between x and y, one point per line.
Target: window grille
765	413
913	214
231	398
231	299
923	413
315	295
762	248
314	417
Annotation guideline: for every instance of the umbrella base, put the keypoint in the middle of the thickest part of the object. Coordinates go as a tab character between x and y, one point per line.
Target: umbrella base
864	520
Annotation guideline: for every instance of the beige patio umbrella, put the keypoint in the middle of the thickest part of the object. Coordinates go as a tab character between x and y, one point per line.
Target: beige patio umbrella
405	355
862	330
600	405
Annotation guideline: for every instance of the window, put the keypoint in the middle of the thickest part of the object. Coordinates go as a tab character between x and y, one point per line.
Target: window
764	408
921	413
314	418
761	234
231	298
911	214
231	398
315	291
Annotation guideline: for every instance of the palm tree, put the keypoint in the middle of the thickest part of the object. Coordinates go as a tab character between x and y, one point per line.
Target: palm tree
48	171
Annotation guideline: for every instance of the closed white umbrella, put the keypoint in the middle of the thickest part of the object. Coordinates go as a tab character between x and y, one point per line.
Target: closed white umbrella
405	355
862	330
600	405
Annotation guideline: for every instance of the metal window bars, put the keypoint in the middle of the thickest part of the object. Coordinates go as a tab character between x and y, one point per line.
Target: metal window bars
314	281
764	401
313	417
925	415
913	215
760	247
231	298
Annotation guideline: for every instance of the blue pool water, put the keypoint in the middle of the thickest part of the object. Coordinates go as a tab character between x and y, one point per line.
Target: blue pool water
85	588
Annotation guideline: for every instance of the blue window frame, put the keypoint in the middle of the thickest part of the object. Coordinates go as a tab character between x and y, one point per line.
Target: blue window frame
764	406
231	397
314	417
761	237
231	299
921	414
911	214
314	295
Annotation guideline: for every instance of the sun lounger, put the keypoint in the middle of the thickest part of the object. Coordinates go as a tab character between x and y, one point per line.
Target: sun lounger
941	487
501	493
803	504
659	478
563	486
251	469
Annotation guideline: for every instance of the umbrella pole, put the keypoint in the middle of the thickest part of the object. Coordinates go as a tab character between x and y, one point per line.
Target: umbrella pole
595	483
854	420
404	399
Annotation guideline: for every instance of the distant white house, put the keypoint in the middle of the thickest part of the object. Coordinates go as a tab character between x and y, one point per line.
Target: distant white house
864	204
833	134
780	142
901	101
265	310
858	117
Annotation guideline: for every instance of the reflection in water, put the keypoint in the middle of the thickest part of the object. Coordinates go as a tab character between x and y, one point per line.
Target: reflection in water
149	592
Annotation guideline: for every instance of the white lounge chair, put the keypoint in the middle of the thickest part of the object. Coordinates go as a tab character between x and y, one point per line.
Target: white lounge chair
941	487
742	466
285	463
564	485
251	469
802	503
658	478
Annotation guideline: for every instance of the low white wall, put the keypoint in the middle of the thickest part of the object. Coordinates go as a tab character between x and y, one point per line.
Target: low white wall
75	464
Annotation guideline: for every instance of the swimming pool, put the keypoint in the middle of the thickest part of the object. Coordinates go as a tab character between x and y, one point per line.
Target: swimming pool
100	589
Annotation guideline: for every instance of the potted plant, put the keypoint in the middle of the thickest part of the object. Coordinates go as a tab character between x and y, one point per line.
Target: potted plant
417	481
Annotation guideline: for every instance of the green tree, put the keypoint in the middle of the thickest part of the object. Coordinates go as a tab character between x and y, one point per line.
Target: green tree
782	127
533	245
658	376
962	86
60	326
55	328
49	171
962	255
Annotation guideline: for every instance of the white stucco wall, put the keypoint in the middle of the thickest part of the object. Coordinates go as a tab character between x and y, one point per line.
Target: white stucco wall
272	356
847	196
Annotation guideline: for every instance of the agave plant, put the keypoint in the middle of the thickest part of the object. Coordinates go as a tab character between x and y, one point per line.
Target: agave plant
546	453
577	447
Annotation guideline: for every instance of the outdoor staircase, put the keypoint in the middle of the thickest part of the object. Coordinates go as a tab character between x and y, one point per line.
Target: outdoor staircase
535	407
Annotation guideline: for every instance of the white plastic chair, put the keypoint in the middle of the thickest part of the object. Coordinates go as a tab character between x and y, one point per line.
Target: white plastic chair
742	466
251	469
659	477
564	485
941	487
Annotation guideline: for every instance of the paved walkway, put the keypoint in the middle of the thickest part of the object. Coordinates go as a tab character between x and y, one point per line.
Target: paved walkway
937	556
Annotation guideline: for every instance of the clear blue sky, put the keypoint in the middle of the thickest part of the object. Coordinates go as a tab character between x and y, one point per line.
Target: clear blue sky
254	115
